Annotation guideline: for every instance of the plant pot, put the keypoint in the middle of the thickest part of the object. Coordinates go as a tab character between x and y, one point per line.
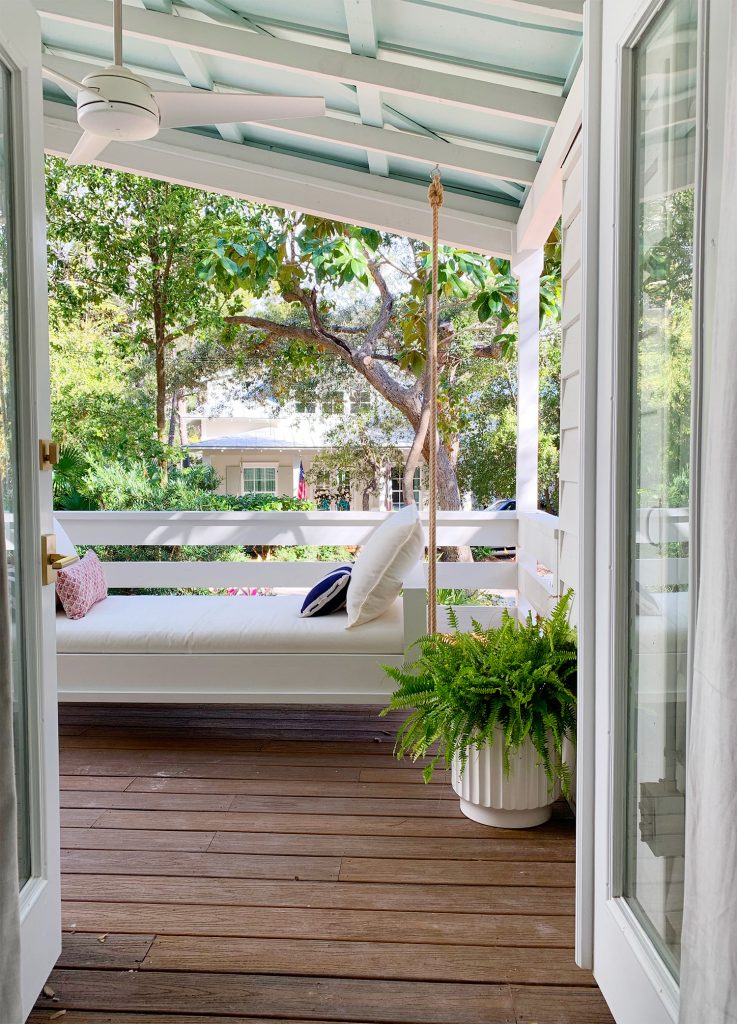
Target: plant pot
521	799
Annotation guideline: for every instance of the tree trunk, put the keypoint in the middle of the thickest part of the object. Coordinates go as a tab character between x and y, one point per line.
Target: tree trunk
161	407
172	419
181	412
414	455
449	499
366	499
161	391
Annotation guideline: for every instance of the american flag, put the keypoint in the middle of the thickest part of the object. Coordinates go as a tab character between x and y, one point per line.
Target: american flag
302	487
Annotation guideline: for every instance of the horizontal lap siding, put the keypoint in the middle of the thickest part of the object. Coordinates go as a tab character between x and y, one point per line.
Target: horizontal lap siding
570	371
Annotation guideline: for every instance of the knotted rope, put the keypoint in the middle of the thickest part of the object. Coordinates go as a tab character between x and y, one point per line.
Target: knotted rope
435	197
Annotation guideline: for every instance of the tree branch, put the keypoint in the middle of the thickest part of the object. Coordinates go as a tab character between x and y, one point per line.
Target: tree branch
493	351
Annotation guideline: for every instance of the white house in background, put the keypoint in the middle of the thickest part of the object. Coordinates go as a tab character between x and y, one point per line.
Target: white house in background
255	450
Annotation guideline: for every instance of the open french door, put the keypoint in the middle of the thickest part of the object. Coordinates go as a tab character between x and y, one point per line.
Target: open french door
26	498
650	237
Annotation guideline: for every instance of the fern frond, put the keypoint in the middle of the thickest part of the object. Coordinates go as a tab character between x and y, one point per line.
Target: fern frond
514	681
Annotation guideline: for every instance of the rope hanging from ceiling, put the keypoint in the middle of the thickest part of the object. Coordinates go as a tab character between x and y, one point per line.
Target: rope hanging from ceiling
435	197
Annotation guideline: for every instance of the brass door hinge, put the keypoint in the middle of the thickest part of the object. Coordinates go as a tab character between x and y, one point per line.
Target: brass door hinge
48	453
51	560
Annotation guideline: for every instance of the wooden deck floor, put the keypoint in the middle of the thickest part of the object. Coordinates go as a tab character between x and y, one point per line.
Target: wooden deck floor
254	865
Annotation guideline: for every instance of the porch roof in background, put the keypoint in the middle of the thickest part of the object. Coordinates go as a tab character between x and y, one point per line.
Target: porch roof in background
474	85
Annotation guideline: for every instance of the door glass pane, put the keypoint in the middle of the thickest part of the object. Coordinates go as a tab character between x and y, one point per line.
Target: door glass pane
8	485
664	153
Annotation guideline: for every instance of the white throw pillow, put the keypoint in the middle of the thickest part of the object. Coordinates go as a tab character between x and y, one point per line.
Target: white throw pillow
64	545
392	550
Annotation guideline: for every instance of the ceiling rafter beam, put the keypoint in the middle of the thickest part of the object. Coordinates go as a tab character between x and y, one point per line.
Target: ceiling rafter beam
221	12
359	16
355	197
345	132
195	71
162	6
570	10
414	147
313	61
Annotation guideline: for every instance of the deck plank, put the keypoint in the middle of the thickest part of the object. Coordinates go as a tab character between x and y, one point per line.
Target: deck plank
560	1005
105	800
288	892
391	846
415	790
347	999
44	1016
384	960
412	871
152	862
348	925
328	824
103	950
265	865
153	839
316	805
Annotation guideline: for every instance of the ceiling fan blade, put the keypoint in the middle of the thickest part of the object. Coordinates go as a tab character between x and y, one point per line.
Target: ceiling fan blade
192	108
63	80
87	149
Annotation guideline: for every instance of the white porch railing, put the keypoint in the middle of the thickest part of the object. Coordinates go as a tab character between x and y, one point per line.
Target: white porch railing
531	537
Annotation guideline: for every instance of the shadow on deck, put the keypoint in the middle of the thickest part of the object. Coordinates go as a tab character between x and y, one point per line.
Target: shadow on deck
227	865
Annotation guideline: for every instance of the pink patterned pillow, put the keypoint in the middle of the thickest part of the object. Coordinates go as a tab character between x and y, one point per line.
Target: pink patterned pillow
81	585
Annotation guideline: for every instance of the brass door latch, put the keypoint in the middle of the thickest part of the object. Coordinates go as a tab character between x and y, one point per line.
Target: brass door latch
48	454
51	560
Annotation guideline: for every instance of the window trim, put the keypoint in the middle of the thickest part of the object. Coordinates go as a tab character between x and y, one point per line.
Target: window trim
262	466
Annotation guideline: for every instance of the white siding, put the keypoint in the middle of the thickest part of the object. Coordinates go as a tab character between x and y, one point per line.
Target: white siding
570	371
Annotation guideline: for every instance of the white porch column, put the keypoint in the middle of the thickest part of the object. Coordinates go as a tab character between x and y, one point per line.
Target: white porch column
296	461
527	268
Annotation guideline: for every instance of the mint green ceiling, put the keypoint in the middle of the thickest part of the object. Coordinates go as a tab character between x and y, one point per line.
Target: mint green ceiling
529	45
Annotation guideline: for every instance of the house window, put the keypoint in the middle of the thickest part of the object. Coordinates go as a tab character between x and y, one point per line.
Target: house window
333	405
305	406
360	401
259	480
396	495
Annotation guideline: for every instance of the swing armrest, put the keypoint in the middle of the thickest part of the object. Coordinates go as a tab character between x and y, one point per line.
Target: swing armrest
414	596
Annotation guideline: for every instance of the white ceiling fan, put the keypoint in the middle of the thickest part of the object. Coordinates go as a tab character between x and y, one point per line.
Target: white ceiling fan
113	104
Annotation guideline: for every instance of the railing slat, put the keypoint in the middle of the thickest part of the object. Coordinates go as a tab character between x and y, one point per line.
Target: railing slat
167	529
219	575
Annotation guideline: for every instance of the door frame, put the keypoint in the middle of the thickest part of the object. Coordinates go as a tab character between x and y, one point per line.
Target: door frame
627	965
40	898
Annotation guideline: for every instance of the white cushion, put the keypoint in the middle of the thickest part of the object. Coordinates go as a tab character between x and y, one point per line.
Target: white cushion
64	545
202	624
390	553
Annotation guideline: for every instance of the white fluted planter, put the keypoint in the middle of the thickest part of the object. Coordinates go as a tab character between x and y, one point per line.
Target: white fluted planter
521	799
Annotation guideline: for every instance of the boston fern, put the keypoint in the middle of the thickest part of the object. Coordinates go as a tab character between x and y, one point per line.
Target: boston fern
519	678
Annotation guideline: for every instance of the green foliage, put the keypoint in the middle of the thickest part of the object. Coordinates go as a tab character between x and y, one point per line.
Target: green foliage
313	553
102	398
134	243
140	486
362	446
69	475
198	286
509	683
487	465
455	596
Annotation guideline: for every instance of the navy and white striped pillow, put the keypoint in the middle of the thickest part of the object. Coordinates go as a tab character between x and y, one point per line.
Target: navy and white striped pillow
329	595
